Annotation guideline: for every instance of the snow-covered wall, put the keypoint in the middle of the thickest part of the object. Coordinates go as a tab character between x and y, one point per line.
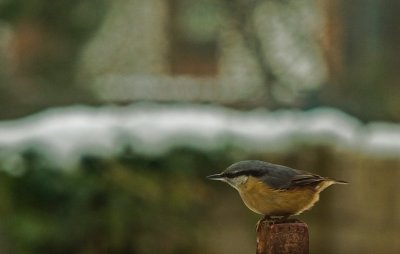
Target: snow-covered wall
63	135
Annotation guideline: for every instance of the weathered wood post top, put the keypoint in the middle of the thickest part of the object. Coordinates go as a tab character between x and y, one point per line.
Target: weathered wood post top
282	237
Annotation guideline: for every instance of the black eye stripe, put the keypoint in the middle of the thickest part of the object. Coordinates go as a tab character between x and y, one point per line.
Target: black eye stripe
230	174
249	172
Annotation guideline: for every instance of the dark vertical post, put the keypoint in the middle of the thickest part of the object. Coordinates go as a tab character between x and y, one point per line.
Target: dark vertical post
284	237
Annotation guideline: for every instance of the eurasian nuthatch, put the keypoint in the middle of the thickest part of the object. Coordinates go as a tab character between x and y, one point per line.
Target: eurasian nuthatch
274	190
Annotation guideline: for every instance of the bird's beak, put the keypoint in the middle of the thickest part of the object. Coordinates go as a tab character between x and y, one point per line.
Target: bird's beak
218	177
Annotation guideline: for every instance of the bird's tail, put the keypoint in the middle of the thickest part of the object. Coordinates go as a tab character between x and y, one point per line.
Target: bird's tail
337	181
328	182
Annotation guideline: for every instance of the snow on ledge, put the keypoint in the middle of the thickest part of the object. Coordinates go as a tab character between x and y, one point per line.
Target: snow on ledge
63	135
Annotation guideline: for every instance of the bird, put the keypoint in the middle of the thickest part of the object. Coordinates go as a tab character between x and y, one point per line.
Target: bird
274	191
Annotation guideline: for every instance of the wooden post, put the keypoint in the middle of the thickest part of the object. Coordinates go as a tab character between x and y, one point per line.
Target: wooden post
290	236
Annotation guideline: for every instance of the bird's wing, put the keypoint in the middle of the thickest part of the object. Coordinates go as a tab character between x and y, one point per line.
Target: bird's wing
281	177
305	180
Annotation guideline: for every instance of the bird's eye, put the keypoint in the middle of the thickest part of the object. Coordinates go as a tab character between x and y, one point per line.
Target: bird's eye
233	174
229	175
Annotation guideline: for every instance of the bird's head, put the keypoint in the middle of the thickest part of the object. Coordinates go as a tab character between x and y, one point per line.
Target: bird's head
237	174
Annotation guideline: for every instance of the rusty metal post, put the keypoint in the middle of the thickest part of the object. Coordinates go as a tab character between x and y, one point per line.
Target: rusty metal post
284	237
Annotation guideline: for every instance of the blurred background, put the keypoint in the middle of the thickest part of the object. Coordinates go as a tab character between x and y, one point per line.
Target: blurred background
113	112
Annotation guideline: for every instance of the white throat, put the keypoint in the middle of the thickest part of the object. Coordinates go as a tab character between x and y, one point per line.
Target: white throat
236	181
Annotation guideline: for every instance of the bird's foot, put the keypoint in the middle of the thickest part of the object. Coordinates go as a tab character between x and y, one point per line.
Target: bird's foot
274	220
266	218
282	219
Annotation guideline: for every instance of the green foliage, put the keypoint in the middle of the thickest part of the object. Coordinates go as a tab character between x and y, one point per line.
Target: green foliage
131	204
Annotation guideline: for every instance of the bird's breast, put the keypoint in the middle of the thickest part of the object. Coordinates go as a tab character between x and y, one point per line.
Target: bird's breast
262	199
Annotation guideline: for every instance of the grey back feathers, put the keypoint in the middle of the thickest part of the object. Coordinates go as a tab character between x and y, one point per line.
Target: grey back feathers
275	176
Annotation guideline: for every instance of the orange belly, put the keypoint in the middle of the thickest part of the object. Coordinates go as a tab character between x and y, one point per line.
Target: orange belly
267	201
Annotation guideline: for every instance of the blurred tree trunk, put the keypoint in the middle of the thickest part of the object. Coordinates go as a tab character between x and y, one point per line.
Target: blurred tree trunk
362	46
47	37
332	38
